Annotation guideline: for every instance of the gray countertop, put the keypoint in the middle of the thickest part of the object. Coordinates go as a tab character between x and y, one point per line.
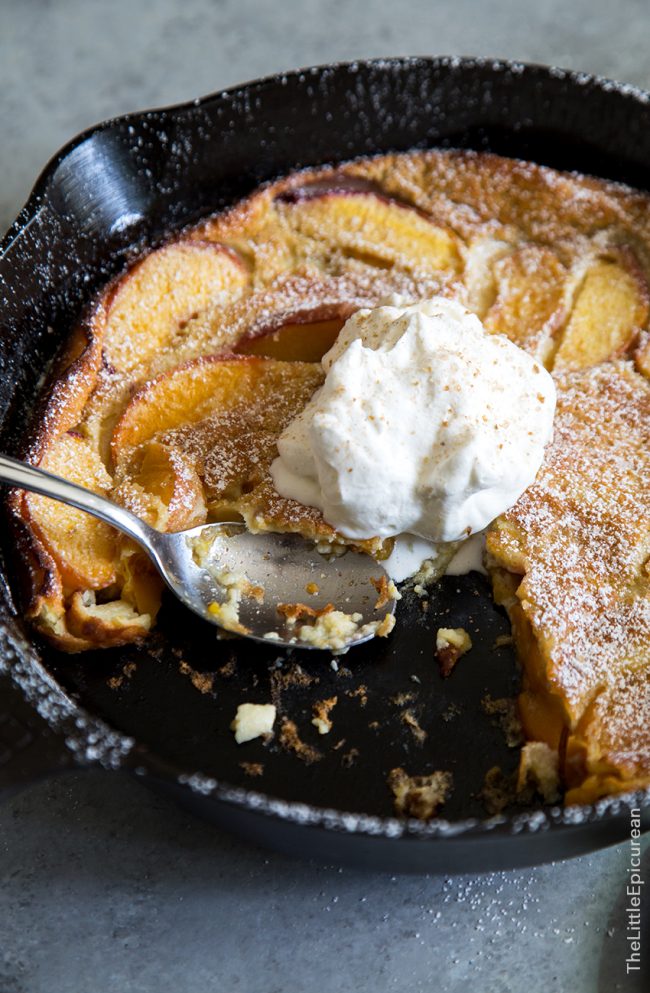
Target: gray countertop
106	887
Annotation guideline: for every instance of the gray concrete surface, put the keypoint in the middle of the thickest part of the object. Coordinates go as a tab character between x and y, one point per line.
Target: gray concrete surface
105	888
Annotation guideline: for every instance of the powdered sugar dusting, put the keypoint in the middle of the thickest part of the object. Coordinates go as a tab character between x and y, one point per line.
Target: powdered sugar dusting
581	534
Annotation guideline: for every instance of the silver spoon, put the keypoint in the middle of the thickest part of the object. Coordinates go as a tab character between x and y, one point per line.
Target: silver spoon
273	569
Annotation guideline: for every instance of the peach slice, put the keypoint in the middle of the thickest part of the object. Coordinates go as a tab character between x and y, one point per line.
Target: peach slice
163	489
141	585
253	231
84	548
610	308
529	299
77	371
193	392
161	293
306	296
479	277
295	341
372	229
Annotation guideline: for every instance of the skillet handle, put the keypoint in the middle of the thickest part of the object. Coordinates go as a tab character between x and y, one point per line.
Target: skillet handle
29	748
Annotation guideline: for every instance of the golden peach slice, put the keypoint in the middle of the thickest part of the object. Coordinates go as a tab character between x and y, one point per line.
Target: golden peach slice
304	297
610	307
194	392
529	299
83	548
479	277
261	324
77	370
296	341
252	229
141	584
372	229
163	489
164	291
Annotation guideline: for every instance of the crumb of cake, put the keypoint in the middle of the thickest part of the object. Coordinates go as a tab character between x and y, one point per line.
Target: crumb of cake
291	740
361	693
292	677
504	710
115	682
312	589
229	668
349	758
502	641
330	547
419	796
539	767
321	719
451	644
336	630
400	699
452	711
202	681
385	627
327	628
223	634
433	568
235	584
294	612
252	769
408	717
381	586
386	591
295	675
253	720
374	725
227	613
498	791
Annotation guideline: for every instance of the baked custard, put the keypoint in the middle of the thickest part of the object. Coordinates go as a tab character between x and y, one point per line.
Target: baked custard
179	381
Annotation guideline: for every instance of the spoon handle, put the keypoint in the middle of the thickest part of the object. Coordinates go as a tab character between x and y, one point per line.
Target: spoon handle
27	477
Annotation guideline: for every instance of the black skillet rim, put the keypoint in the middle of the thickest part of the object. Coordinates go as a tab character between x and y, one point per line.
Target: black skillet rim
92	741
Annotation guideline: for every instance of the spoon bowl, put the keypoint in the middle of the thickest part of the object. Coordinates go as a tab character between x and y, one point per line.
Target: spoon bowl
274	588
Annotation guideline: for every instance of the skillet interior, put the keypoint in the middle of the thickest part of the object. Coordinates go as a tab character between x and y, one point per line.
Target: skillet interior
130	182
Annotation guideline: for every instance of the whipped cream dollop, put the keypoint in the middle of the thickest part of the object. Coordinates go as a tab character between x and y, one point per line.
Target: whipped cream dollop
425	425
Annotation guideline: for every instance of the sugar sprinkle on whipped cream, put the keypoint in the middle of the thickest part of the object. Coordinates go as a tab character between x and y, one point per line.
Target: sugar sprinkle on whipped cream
426	425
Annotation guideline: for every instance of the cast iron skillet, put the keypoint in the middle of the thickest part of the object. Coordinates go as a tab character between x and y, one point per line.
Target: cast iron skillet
126	184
